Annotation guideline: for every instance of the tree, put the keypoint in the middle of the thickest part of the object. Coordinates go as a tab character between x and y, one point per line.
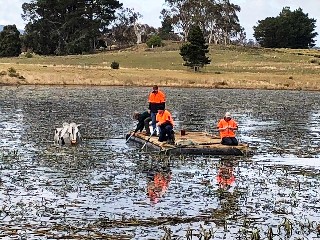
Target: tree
180	13
127	31
228	20
194	52
216	18
10	43
154	41
75	26
122	32
291	29
166	29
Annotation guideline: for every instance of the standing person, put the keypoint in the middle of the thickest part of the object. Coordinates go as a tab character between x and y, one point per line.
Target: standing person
156	100
143	121
165	123
227	127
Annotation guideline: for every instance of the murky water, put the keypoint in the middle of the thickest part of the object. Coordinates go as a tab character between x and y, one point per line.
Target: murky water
106	188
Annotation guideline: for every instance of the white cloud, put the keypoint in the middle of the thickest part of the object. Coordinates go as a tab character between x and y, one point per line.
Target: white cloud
149	9
10	13
251	11
254	10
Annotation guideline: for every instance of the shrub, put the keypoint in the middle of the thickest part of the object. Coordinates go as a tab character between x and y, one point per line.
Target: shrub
12	72
154	41
28	55
114	65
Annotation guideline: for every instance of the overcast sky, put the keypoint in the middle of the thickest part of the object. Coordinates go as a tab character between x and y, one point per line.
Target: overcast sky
251	11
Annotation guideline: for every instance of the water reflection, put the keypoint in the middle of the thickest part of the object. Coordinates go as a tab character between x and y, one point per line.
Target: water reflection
158	181
108	179
225	176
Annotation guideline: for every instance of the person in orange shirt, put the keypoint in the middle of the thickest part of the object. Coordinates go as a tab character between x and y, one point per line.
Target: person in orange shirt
227	127
165	123
156	100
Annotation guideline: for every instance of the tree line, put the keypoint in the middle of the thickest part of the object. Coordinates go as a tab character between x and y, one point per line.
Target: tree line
60	27
290	29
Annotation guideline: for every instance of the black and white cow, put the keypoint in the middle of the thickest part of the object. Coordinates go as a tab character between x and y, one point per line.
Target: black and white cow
69	134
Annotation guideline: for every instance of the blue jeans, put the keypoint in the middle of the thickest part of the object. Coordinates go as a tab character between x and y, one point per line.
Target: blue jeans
153	118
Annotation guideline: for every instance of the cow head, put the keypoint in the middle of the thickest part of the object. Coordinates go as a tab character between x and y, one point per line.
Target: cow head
74	133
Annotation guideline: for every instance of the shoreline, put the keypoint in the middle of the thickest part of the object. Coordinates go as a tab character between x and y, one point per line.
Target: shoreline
67	75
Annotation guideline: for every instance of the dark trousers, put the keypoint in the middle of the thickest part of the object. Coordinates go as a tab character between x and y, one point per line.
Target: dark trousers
146	125
166	132
231	141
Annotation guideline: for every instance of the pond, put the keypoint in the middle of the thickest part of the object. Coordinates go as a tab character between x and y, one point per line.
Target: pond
107	189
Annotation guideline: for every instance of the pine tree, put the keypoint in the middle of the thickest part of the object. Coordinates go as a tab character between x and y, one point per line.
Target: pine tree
195	50
166	30
10	43
68	26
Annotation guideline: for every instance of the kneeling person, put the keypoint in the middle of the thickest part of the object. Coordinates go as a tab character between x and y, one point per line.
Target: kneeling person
143	121
165	123
227	127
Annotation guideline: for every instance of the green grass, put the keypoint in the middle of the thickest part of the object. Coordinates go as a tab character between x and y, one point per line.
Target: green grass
223	59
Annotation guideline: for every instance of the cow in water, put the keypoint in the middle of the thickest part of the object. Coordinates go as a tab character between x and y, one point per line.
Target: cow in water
69	134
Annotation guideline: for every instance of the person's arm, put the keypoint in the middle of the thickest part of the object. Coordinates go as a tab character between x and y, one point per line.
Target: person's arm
158	121
234	126
166	119
140	125
220	127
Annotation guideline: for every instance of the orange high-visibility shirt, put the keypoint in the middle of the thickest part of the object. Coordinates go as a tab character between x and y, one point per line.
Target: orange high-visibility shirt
228	132
164	117
158	97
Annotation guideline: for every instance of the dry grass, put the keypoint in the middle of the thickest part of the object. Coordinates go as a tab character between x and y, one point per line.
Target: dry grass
231	67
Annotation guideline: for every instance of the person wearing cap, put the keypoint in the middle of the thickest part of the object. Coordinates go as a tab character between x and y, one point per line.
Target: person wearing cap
156	100
143	121
165	123
227	127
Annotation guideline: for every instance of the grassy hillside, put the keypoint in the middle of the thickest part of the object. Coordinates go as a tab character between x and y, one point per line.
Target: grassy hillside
231	67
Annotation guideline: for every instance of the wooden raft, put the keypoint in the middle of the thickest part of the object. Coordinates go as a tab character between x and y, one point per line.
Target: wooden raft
199	143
